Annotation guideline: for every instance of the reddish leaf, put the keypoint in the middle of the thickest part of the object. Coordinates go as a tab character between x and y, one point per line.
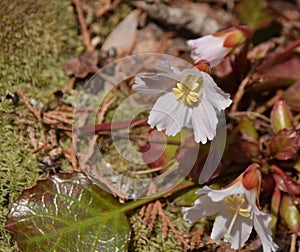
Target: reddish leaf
275	204
284	144
250	149
279	70
292	96
278	57
68	213
290	213
284	182
281	116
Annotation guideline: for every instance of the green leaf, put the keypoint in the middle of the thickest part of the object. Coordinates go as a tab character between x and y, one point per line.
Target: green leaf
290	213
284	144
281	116
68	213
247	130
254	14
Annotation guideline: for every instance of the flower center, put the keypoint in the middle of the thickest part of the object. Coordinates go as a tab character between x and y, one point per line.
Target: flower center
238	205
187	91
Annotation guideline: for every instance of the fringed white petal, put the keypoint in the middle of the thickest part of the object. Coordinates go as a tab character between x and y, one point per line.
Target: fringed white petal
214	95
218	195
204	206
220	227
204	120
241	231
170	114
261	226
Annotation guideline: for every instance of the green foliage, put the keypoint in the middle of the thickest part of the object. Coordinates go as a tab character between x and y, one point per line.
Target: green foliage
254	14
18	170
290	213
36	37
248	130
67	212
146	240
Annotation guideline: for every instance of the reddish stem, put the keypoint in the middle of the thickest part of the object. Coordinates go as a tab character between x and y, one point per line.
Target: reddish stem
113	126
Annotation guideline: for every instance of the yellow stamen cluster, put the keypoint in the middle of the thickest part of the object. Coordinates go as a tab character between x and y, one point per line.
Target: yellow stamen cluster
186	94
238	205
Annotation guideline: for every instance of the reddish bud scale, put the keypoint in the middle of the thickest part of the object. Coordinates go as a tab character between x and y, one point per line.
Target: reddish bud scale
252	177
234	39
203	66
235	36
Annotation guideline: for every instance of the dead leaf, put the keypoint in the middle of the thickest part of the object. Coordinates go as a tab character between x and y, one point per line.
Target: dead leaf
82	66
192	18
123	37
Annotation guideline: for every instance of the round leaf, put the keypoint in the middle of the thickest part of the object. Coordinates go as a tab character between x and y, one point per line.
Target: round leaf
68	213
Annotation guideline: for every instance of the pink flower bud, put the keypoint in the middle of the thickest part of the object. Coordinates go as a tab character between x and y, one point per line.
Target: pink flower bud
214	48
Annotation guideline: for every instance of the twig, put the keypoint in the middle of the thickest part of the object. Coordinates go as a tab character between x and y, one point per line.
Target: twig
84	29
69	154
293	243
239	94
71	83
106	6
53	137
270	103
34	142
249	114
43	146
35	111
58	116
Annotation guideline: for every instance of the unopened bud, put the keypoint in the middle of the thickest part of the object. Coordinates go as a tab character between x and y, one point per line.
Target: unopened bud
252	177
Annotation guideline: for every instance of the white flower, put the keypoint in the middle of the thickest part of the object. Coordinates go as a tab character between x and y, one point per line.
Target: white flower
190	98
214	48
237	211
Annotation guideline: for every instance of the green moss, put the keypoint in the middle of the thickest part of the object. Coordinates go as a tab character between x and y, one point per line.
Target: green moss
36	37
145	240
18	170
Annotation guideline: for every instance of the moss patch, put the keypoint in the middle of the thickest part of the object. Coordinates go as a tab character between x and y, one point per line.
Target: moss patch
36	37
18	170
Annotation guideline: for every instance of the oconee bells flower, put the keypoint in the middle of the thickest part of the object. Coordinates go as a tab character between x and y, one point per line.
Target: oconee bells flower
238	211
189	98
214	48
